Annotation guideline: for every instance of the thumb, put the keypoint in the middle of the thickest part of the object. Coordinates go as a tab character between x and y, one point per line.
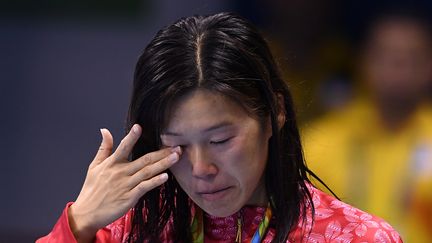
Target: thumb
105	148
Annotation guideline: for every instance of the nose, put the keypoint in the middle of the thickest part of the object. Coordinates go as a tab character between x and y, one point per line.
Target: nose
202	165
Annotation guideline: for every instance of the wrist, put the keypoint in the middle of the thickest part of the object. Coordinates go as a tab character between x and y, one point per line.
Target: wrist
80	226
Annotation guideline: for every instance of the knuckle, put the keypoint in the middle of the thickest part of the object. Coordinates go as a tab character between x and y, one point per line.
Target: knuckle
124	143
142	186
167	161
148	173
103	147
126	147
118	174
161	167
148	159
110	163
115	175
145	174
91	165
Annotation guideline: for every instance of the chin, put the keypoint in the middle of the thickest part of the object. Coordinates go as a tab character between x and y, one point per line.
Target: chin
220	209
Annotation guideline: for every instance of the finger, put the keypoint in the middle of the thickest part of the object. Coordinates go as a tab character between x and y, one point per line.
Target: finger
151	158
106	146
126	145
152	170
147	185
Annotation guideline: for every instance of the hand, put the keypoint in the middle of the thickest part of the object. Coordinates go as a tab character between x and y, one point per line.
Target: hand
113	185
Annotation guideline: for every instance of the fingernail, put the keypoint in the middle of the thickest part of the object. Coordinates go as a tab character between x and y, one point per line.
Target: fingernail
176	149
101	131
136	129
173	157
164	176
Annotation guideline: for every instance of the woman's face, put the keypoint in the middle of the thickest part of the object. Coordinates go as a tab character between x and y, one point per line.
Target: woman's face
224	152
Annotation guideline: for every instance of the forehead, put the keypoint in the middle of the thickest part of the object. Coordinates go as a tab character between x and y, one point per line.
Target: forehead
202	108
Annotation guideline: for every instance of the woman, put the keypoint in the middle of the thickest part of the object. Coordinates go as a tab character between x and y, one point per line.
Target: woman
214	152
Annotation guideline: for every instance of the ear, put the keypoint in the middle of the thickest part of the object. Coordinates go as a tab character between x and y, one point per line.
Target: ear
281	118
280	109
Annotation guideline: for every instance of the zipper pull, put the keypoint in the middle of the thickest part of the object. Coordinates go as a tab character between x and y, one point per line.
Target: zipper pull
239	230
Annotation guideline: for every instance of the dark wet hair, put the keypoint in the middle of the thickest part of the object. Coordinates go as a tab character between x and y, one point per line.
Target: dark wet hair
224	54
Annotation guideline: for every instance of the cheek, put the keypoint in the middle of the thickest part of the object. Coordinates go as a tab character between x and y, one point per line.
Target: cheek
180	171
254	152
246	156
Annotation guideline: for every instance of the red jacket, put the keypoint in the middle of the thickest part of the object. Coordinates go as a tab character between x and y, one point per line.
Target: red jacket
335	221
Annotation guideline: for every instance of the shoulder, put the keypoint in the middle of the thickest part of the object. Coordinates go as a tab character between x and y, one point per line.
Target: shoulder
334	220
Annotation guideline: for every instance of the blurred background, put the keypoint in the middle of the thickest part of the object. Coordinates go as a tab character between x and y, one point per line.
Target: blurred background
360	73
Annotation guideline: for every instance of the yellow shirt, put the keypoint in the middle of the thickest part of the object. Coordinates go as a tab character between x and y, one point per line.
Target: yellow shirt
387	173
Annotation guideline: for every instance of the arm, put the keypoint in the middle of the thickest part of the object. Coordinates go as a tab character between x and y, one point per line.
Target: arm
115	232
61	231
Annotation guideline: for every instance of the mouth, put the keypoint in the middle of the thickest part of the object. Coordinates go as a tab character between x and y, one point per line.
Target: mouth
212	195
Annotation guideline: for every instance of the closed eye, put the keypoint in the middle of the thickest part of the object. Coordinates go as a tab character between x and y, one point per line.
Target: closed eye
220	141
182	146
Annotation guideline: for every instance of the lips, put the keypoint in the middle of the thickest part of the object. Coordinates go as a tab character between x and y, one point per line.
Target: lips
214	194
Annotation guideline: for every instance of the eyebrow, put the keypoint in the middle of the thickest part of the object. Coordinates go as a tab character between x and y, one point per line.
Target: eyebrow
212	128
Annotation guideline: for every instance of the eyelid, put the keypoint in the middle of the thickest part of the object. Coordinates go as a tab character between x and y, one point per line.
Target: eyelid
168	142
221	141
174	145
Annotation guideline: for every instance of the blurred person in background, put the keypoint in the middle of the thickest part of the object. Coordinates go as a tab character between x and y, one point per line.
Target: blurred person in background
376	151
